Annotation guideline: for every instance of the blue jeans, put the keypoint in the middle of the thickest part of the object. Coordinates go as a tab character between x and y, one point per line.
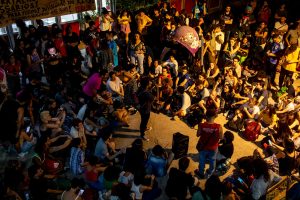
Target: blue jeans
211	157
138	59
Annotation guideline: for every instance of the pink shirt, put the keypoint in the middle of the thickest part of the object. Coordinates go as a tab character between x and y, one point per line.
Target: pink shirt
92	84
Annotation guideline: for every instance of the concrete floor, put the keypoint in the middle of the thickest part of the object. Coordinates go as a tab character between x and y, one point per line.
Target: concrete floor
162	132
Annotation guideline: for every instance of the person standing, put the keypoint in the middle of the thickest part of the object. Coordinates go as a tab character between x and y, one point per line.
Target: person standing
145	102
210	133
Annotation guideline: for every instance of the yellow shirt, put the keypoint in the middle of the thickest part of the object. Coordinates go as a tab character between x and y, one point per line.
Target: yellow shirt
291	61
124	20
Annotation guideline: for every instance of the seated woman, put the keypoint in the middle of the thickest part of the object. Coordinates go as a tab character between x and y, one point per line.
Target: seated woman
263	179
286	157
227	98
77	157
75	190
92	172
251	110
50	127
268	118
26	140
270	157
38	185
159	161
243	51
135	157
45	151
139	187
231	48
230	78
77	131
212	73
246	113
90	123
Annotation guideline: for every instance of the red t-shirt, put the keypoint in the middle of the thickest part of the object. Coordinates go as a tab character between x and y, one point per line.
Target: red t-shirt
60	45
209	135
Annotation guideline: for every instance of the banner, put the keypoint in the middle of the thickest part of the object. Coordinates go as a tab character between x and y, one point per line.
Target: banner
11	10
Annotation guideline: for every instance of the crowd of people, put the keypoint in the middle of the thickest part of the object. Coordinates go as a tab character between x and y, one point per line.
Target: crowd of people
63	95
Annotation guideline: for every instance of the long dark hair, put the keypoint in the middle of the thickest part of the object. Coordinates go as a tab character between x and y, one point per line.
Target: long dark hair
260	168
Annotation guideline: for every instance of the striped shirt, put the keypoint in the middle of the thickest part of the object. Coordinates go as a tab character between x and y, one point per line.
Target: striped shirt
76	160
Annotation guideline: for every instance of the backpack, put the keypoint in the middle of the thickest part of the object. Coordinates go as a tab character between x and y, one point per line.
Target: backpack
252	131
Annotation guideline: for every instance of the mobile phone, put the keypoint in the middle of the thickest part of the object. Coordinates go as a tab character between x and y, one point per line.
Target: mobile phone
269	141
240	180
27	129
81	192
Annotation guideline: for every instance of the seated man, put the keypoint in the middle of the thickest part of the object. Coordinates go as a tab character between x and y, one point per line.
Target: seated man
180	181
114	85
105	149
156	69
183	79
159	161
173	65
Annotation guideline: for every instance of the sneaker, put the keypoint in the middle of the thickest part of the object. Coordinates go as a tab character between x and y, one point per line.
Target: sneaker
197	173
145	138
175	118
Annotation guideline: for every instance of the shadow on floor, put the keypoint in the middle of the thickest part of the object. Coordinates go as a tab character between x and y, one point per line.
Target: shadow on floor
122	129
118	135
194	156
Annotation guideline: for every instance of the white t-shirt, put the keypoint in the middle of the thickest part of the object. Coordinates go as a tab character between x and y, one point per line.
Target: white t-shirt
186	102
114	86
222	37
255	111
204	93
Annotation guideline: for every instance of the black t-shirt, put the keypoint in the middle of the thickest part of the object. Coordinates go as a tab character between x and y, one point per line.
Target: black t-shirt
226	150
225	17
145	100
71	39
8	120
178	183
134	160
38	188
